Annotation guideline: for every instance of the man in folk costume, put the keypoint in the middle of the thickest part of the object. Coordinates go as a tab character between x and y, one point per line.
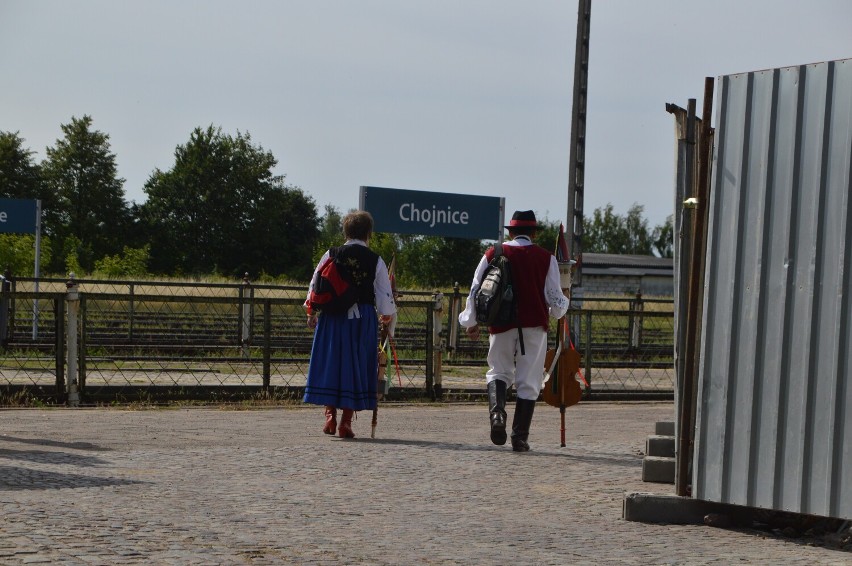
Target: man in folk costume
516	359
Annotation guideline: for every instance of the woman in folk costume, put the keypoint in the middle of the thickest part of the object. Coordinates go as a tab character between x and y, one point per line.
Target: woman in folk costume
344	359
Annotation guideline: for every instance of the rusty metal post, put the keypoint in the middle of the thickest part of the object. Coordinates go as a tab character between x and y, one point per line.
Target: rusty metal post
132	313
682	450
587	355
59	337
636	321
81	346
700	207
246	297
430	358
72	299
439	344
453	321
267	343
11	280
5	287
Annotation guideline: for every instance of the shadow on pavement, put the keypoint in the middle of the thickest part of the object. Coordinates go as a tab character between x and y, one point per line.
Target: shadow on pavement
44	442
48	457
614	459
13	478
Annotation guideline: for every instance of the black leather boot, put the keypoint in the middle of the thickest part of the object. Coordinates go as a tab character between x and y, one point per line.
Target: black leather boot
521	424
497	410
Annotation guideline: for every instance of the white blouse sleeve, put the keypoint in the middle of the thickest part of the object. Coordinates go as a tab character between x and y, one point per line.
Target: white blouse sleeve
382	288
553	296
467	317
314	278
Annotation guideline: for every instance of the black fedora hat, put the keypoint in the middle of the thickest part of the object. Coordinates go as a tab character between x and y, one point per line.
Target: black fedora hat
523	219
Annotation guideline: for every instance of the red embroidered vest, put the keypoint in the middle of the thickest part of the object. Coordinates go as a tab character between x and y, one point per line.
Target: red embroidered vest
529	272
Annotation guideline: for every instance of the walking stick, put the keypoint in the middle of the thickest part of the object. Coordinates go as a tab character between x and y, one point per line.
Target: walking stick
384	333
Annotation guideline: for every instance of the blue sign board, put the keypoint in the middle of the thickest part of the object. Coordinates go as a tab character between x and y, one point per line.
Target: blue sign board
18	216
400	211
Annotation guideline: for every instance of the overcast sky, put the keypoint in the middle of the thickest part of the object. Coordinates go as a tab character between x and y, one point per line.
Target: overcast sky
459	96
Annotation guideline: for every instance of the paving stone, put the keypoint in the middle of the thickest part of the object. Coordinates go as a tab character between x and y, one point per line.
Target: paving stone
265	486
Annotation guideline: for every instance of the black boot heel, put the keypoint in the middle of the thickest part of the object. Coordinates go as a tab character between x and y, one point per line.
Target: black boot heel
497	411
521	424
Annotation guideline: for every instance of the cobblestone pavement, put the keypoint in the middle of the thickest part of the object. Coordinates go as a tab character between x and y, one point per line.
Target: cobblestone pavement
265	486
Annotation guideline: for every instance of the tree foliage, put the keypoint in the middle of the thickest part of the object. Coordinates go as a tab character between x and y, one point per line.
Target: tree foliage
20	177
227	210
280	235
386	245
330	232
663	238
547	234
132	262
219	210
86	196
612	233
422	261
17	253
434	262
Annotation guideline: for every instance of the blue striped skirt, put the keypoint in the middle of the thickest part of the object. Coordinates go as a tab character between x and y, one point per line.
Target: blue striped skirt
344	361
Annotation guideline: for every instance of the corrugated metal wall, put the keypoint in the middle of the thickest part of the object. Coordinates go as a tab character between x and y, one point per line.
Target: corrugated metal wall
774	425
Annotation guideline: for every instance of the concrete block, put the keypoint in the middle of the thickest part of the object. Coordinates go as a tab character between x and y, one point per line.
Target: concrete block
654	508
675	510
656	445
658	469
665	428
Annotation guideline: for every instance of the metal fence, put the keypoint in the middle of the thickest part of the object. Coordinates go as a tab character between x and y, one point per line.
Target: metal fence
91	341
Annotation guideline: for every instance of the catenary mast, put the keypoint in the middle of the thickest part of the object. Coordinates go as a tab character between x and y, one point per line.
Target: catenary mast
577	160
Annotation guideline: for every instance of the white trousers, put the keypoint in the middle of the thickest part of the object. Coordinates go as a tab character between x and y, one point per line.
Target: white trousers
505	361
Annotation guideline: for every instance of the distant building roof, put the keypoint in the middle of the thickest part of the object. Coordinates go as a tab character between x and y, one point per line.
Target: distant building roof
627	260
627	264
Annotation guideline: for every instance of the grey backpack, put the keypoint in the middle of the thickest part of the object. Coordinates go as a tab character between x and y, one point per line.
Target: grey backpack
495	298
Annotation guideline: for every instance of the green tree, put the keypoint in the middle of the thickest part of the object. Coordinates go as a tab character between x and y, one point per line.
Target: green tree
220	209
330	232
547	234
385	244
331	235
611	233
81	172
17	253
638	234
71	254
434	262
279	235
602	233
20	177
663	238
132	262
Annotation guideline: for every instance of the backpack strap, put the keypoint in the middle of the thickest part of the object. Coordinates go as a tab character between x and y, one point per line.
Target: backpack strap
498	250
521	341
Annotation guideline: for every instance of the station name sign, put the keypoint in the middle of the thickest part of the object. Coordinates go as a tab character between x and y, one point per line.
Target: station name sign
401	211
18	216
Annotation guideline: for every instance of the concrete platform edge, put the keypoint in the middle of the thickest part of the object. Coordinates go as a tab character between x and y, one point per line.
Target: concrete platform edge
671	509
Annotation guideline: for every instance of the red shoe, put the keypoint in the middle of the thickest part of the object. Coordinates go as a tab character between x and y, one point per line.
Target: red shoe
345	428
330	420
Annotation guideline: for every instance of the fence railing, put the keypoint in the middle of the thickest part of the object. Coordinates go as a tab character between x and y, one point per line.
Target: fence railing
100	341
